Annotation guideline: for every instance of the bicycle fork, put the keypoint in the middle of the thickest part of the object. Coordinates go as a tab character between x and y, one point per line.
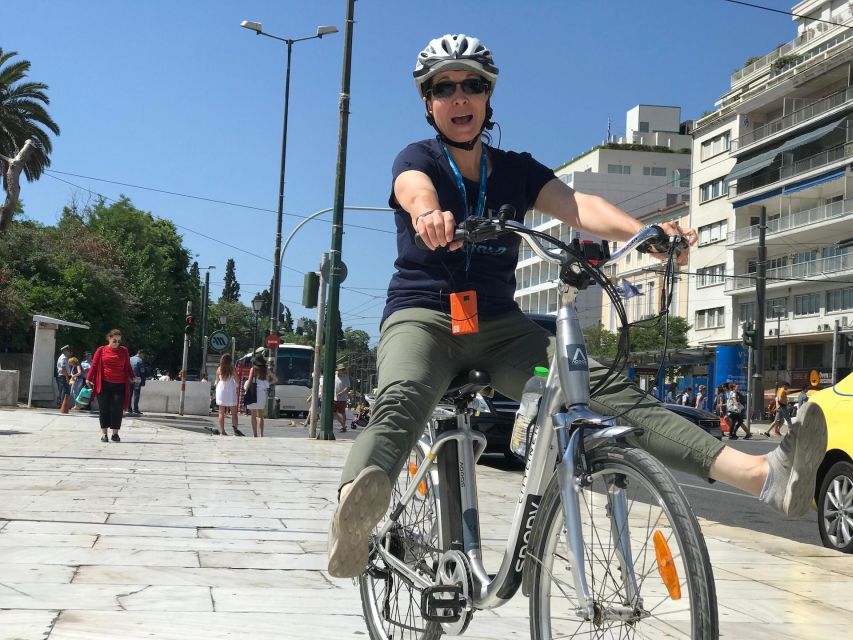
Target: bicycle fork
573	480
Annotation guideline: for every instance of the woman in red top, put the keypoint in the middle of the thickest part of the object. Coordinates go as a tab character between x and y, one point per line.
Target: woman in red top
111	375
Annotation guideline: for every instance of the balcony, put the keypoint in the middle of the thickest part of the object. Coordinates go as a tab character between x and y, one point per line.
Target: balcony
792	221
810	270
765	178
793	119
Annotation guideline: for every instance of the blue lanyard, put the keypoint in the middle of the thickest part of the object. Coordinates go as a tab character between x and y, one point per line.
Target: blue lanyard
481	197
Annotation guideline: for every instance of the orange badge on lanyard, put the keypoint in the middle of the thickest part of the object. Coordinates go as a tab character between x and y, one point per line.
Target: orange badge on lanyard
463	313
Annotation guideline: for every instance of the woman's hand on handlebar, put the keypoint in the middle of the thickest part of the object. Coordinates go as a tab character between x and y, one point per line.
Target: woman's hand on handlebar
688	236
436	229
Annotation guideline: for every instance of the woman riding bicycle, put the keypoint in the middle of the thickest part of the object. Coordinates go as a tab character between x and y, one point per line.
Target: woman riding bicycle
439	182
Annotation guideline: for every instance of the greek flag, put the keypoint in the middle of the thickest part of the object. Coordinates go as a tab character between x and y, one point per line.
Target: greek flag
628	290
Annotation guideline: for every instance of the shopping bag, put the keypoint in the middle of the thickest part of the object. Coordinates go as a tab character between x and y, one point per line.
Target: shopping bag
84	396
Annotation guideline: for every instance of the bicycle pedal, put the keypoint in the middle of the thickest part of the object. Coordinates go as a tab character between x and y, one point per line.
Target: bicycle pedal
442	603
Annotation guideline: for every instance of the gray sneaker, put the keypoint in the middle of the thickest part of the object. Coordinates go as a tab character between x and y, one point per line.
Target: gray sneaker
793	464
354	519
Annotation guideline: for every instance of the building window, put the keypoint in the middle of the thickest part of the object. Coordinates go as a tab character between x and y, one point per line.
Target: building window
709	276
714	189
650	300
671	199
746	312
710	318
624	170
658	172
681	178
716	145
644	127
807	304
839	300
776	308
713	232
808	356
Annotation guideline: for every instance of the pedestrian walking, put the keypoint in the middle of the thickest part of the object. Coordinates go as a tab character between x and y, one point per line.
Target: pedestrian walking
226	393
735	409
671	393
687	397
701	397
63	377
342	387
261	377
140	371
781	415
75	378
110	375
418	354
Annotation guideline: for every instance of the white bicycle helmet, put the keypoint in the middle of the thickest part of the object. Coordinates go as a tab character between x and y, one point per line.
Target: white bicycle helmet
454	53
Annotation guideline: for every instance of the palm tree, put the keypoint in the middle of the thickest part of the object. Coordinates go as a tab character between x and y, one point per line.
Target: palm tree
23	118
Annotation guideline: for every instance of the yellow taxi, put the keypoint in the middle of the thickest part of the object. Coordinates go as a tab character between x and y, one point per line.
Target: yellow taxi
834	486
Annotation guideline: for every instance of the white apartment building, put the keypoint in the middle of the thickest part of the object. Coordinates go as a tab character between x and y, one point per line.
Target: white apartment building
780	139
646	170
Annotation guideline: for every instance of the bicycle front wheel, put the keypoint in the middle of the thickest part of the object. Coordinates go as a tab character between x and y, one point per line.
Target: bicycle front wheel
674	595
390	601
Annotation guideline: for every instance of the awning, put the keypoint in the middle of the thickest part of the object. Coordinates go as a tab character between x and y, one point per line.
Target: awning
813	182
763	160
758	198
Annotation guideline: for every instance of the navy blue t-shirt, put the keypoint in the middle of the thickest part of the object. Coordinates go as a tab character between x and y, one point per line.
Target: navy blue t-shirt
425	278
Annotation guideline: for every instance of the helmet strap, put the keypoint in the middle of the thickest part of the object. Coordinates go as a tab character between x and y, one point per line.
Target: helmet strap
467	146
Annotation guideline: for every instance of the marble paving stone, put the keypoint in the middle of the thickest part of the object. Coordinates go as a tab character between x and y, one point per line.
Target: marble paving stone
77	516
257	534
104	597
200	544
208	577
191	521
279	600
25	625
45	540
97	529
78	556
43	573
310	561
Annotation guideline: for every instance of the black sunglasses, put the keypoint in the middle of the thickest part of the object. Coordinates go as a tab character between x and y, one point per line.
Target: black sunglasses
470	87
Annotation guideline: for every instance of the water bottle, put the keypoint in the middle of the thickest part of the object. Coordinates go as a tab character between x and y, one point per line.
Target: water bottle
525	417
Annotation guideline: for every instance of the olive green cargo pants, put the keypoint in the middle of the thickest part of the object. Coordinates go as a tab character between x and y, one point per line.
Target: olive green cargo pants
418	357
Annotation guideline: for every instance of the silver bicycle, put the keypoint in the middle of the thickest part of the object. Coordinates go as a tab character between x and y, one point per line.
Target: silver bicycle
603	541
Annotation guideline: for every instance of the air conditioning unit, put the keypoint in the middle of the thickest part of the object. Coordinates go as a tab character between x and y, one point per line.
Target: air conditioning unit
826	327
844	321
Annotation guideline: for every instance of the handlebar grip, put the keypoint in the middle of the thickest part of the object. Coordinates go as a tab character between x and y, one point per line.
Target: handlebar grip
458	234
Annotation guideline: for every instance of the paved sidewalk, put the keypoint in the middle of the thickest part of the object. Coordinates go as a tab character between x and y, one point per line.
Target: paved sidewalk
174	533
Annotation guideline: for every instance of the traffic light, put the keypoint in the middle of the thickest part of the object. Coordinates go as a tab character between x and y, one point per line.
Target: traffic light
748	334
310	290
188	327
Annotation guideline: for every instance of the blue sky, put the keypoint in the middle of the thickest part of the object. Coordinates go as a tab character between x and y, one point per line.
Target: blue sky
176	96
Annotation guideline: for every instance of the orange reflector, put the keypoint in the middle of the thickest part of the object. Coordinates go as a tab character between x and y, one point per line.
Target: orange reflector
413	469
666	566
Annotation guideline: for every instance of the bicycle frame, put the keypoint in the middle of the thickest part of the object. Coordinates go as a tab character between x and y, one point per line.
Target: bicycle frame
560	434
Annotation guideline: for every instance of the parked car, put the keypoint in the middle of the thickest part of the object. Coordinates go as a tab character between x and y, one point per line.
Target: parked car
708	422
834	479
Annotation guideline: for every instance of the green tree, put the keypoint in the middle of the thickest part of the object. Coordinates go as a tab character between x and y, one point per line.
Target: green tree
649	335
231	290
600	342
25	144
239	324
287	323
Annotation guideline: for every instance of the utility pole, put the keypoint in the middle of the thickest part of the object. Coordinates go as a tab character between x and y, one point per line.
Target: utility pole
318	354
184	361
204	297
337	226
749	402
760	287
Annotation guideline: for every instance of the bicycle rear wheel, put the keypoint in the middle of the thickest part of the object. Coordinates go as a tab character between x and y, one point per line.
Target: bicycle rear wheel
676	597
391	604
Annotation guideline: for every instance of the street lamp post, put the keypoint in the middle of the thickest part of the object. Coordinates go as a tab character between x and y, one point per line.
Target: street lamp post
276	279
205	294
257	303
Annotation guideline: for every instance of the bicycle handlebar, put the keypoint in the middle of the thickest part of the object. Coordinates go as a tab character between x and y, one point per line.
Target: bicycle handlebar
649	239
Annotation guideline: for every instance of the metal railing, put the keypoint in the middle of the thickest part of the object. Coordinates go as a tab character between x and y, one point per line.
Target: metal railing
804	38
792	119
758	180
796	220
806	270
